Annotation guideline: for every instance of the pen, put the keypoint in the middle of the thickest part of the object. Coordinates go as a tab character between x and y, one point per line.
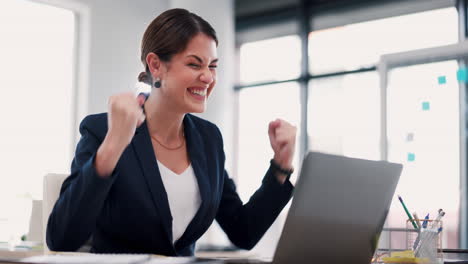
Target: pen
424	224
416	219
436	221
407	212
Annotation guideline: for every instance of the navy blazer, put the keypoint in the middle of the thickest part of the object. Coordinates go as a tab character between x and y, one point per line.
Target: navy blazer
129	211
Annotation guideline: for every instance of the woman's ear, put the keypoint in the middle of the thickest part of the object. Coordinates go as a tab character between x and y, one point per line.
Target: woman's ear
154	64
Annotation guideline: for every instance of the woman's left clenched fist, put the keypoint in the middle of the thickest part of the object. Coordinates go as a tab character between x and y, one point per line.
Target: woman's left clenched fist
283	141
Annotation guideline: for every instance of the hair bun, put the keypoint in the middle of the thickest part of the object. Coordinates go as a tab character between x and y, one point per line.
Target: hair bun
143	77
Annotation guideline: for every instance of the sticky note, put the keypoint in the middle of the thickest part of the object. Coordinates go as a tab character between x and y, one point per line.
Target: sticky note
426	106
411	157
442	80
410	137
462	75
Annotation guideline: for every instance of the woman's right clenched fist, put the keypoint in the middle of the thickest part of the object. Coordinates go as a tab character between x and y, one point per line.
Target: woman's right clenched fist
125	115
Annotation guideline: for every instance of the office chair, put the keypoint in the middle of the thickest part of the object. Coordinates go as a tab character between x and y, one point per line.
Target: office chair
51	190
52	184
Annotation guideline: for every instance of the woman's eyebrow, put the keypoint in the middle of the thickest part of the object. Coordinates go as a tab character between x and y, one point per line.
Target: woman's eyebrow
200	60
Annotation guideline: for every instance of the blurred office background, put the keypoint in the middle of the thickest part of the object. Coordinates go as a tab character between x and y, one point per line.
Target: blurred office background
313	63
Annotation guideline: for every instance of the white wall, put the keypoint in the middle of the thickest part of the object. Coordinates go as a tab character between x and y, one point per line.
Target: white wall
116	29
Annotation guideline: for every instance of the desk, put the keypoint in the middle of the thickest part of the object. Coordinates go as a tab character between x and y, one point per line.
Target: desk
456	254
13	257
23	254
5	254
20	253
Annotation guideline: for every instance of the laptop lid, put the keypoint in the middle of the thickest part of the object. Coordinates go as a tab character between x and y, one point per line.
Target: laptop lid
339	207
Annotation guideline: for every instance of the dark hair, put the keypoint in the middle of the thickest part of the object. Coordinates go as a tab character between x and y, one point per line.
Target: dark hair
169	34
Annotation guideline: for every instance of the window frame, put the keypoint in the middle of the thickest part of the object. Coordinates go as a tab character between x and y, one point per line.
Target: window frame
81	61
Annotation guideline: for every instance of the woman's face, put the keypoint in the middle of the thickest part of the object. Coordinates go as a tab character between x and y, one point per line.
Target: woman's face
188	79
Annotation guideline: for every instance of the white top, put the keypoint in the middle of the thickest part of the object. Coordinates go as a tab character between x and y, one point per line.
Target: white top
183	195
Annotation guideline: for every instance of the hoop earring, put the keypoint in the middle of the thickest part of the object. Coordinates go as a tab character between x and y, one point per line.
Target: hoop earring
157	83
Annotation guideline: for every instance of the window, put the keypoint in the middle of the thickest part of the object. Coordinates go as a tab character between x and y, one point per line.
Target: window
360	45
424	135
343	115
257	107
274	59
344	110
36	105
260	61
343	98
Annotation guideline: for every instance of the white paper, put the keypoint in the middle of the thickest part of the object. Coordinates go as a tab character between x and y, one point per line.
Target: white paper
89	259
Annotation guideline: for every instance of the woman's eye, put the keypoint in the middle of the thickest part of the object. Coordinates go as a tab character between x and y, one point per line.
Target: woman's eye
213	66
193	65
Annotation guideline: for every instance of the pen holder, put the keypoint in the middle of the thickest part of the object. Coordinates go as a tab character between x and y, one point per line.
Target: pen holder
426	242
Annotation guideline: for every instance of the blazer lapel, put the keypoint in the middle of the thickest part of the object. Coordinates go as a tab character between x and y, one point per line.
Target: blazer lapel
197	156
144	150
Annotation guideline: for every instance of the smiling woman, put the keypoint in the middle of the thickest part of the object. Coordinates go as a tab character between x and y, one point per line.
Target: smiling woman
148	176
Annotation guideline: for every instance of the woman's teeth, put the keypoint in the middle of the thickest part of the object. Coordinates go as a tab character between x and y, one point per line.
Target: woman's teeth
199	92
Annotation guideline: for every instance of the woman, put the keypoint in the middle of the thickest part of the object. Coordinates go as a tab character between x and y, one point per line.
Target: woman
148	177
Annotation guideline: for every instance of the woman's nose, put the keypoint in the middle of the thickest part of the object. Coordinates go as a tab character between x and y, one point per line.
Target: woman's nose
207	77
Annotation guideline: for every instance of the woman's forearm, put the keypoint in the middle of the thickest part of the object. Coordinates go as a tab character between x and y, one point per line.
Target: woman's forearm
108	155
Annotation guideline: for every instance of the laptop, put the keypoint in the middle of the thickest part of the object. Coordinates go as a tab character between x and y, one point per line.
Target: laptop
338	211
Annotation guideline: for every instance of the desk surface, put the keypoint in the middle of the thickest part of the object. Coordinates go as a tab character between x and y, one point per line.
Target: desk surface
456	255
225	257
20	253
